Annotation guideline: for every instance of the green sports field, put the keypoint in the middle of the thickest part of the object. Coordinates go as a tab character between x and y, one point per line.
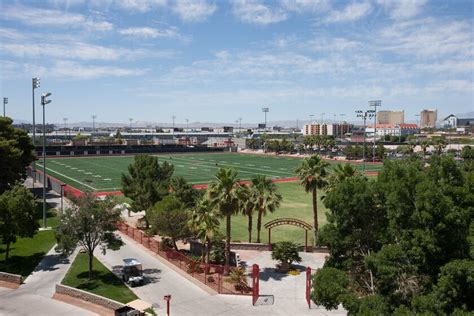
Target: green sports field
103	173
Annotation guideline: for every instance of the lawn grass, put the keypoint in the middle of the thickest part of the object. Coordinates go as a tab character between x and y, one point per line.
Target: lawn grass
104	282
296	203
26	253
103	173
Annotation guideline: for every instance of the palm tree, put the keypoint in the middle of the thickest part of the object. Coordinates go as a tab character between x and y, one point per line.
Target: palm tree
247	207
339	174
266	198
204	222
425	144
313	173
224	197
440	145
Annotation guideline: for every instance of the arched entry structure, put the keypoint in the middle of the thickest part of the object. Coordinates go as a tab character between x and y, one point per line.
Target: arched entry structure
288	221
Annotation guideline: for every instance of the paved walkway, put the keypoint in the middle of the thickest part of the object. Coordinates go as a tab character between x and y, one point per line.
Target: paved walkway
34	297
190	299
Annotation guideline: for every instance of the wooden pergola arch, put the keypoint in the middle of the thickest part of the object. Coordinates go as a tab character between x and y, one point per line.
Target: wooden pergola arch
288	221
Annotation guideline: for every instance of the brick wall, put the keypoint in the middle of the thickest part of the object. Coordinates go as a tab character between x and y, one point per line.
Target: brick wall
12	278
88	297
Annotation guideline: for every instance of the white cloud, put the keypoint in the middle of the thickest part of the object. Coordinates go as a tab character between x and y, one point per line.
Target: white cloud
430	38
148	32
141	5
332	44
79	51
68	69
255	12
402	9
45	17
303	6
194	10
352	12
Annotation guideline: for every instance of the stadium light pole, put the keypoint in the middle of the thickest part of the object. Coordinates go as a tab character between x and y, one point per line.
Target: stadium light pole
131	120
311	118
35	84
322	118
265	111
44	101
65	125
5	102
240	124
375	104
364	115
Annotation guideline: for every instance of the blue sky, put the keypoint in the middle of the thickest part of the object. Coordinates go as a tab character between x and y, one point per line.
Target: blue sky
221	60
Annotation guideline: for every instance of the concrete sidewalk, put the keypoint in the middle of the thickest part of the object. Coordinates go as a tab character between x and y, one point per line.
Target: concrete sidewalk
190	299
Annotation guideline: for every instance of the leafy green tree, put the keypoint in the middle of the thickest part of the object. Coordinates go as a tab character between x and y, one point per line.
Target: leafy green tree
224	196
329	286
265	197
16	154
89	223
17	216
439	145
380	152
286	252
147	182
170	218
405	240
313	176
204	223
185	191
339	174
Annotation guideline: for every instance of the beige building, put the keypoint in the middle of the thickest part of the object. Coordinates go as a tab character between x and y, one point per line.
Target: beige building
326	129
428	118
391	117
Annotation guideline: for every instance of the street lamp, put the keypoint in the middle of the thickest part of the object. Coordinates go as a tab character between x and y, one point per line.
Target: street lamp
62	197
44	101
5	102
375	104
265	111
364	115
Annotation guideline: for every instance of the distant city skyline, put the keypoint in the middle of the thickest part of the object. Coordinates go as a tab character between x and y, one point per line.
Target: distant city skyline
218	61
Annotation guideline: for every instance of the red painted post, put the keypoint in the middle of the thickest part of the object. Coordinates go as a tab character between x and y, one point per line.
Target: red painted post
255	283
167	298
308	286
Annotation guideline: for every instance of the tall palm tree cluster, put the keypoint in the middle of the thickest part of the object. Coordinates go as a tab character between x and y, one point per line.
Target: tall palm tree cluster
226	197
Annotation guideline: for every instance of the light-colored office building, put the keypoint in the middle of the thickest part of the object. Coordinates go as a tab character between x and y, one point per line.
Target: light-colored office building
326	129
393	129
428	118
391	117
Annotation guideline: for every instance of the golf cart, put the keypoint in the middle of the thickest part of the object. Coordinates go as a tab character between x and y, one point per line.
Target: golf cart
132	272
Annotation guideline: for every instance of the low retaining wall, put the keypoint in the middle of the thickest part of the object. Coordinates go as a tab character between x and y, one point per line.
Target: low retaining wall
248	246
88	297
11	278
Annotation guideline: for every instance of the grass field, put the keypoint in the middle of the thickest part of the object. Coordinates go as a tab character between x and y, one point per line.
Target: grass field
104	283
104	173
26	253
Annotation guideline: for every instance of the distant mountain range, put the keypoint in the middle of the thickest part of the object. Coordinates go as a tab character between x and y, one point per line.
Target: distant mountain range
148	124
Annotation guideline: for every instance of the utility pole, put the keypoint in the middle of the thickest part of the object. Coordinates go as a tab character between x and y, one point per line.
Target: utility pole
375	104
342	124
93	122
265	111
5	102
